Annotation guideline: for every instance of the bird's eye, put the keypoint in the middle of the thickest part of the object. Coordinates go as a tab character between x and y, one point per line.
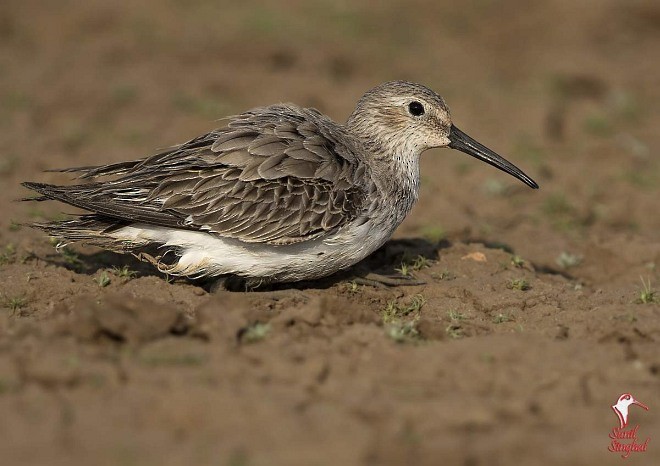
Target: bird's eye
416	108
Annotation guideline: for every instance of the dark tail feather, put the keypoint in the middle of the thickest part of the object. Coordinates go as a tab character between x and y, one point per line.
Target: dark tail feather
119	168
90	229
91	197
49	192
93	230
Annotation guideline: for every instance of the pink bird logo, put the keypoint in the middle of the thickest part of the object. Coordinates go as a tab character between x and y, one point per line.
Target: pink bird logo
621	408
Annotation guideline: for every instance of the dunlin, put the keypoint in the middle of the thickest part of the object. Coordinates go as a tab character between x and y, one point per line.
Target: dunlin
281	194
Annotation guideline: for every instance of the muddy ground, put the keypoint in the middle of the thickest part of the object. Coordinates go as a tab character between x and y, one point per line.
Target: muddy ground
538	309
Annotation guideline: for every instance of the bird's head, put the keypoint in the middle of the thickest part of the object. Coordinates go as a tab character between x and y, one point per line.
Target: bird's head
401	117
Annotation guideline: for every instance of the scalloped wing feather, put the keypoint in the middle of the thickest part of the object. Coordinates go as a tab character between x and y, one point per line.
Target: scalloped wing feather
277	174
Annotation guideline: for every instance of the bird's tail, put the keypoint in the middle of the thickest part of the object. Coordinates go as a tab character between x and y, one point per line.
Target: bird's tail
97	230
93	230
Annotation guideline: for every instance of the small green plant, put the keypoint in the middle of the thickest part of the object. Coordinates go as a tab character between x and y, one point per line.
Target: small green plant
566	260
501	318
404	269
518	284
456	315
15	302
14	226
124	272
647	295
416	303
391	311
401	318
396	310
255	332
420	262
444	275
103	280
8	254
402	332
517	261
413	265
454	331
352	287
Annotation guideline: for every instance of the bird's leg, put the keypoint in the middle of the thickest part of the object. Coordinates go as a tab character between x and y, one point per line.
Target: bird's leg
217	286
278	295
249	287
378	280
228	283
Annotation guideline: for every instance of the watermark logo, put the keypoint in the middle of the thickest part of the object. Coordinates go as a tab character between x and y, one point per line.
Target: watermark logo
624	438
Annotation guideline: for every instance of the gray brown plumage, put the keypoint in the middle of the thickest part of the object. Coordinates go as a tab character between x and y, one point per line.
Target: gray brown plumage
281	193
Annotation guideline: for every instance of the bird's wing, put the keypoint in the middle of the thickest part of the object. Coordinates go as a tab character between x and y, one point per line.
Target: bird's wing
277	175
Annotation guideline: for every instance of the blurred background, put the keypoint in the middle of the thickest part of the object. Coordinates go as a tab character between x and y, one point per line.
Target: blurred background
568	91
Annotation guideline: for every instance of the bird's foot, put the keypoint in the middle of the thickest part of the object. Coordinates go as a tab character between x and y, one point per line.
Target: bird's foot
229	283
378	280
234	283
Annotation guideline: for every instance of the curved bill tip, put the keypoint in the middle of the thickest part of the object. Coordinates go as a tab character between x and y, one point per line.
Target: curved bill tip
460	141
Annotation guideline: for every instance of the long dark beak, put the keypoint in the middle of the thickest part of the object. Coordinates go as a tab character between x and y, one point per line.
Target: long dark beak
461	141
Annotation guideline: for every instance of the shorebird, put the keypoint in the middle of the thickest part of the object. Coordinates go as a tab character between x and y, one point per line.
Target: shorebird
621	408
281	194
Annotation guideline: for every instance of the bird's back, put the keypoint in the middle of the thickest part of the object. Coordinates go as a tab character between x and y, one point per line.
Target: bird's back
278	175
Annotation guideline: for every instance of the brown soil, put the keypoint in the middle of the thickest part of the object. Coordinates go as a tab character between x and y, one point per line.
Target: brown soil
531	322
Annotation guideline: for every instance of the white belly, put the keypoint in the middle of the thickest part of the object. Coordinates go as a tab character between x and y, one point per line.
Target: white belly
202	254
